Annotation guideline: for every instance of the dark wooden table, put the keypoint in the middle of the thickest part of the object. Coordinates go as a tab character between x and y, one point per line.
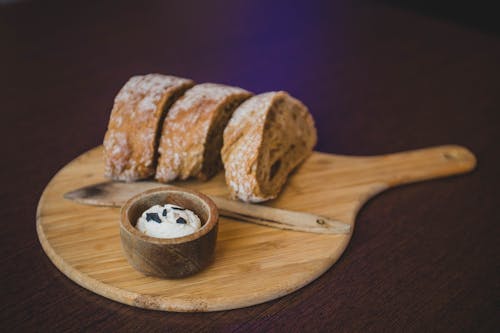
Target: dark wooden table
377	78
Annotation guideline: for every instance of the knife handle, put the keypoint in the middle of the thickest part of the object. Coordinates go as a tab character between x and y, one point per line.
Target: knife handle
279	218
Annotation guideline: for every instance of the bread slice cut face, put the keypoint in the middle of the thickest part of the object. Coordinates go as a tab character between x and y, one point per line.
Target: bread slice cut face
266	138
191	137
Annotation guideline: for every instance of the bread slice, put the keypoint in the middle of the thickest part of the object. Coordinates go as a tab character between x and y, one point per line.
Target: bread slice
267	137
131	141
191	138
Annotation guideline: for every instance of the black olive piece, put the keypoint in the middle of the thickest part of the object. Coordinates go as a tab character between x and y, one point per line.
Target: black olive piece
181	220
153	216
164	213
178	208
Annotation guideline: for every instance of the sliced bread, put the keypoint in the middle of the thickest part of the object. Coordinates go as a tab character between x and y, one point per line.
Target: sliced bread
191	137
266	138
131	141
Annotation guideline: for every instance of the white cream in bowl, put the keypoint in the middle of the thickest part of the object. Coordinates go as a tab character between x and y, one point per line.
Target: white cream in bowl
168	221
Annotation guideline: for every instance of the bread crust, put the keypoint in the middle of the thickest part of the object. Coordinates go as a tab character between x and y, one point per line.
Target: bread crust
131	141
267	137
192	132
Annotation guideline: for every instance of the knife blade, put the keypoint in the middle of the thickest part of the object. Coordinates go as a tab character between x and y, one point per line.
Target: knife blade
115	194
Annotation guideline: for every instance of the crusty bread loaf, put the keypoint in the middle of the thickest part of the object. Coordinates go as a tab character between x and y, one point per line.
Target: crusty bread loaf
131	141
266	138
191	137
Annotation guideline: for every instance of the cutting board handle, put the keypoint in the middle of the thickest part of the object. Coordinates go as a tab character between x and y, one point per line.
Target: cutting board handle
422	164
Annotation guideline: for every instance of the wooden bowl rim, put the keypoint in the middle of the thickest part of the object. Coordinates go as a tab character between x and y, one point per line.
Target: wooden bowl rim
210	223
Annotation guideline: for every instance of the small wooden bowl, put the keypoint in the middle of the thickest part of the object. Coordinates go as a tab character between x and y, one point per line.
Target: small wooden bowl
169	257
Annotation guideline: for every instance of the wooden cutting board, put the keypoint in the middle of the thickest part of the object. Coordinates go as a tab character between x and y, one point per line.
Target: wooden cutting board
253	264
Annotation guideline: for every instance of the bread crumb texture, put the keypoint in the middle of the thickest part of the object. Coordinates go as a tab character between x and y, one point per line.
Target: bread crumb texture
267	137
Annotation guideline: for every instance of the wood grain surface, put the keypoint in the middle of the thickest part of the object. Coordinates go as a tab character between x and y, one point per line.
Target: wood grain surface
253	264
377	78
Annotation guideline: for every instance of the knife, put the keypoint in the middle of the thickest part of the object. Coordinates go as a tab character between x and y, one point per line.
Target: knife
115	194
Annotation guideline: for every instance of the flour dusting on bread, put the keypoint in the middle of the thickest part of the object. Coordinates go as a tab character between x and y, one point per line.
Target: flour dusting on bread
192	132
267	137
130	143
167	127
